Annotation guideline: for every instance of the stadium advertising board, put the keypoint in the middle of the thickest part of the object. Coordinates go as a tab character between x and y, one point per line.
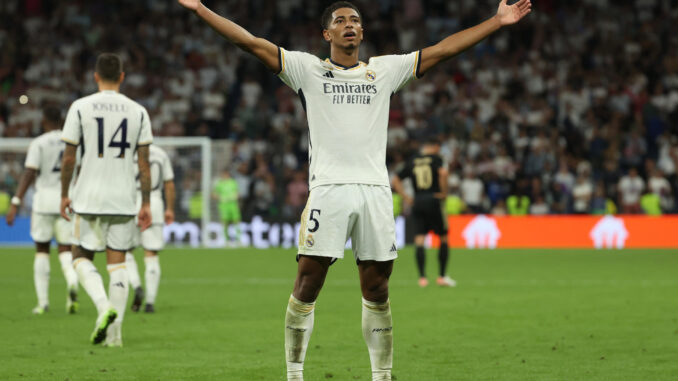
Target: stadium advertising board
257	233
465	231
618	232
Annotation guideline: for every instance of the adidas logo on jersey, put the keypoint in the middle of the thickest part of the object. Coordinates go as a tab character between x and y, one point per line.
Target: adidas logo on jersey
328	75
393	248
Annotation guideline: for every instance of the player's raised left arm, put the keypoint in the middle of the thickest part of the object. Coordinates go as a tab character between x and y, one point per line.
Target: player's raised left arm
67	168
145	182
458	42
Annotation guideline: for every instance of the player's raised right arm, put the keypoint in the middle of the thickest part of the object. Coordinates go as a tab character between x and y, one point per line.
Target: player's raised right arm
261	48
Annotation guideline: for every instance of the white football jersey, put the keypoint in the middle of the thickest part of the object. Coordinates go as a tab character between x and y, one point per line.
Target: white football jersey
347	110
44	155
110	127
161	171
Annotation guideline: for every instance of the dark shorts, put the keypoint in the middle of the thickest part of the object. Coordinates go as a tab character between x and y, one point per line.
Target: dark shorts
428	214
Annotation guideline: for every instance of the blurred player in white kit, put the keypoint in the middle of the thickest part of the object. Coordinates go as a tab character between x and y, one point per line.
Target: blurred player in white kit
151	240
43	165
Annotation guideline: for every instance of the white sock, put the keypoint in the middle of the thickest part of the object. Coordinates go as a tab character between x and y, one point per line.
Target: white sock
132	270
298	329
92	283
152	277
378	334
41	278
117	288
66	259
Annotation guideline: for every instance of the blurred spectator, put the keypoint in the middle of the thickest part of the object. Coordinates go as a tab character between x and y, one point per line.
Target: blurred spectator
539	206
631	187
472	192
661	187
649	204
581	194
499	208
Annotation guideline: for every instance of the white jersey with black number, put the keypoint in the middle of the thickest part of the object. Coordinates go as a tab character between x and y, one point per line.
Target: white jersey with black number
44	155
110	127
347	110
161	171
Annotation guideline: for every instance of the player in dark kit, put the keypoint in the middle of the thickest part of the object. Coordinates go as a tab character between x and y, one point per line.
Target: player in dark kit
429	178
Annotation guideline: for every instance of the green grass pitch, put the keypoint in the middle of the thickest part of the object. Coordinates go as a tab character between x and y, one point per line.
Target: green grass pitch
516	315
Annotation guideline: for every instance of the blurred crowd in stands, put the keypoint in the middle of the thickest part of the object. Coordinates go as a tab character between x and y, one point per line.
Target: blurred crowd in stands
574	110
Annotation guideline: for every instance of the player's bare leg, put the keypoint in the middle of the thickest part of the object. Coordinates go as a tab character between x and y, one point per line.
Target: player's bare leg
66	260
152	277
443	254
420	257
41	269
377	323
91	281
311	273
118	293
134	281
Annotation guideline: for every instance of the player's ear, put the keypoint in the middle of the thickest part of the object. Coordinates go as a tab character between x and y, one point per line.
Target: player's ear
122	77
96	77
326	35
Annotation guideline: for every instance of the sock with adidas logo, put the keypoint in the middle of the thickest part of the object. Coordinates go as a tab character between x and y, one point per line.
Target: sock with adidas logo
117	288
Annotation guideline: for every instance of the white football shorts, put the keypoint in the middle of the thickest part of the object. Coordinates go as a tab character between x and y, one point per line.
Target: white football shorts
334	213
152	239
97	232
44	227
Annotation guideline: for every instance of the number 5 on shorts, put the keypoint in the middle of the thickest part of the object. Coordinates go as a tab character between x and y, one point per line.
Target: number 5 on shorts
312	218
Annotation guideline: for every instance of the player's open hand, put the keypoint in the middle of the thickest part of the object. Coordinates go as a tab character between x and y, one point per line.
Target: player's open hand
190	4
65	208
11	214
511	14
144	217
169	217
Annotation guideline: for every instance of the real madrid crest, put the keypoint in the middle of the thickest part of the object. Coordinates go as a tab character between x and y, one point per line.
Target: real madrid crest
309	241
370	75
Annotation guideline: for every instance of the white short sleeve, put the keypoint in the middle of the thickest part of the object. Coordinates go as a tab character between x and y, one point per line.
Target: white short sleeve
145	133
33	156
72	131
402	68
167	171
293	67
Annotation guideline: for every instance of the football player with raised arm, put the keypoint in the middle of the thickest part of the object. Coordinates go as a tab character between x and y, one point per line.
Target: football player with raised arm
347	104
43	165
111	128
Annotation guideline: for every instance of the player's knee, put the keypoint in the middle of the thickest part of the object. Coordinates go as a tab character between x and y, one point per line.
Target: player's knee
42	247
79	252
376	291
